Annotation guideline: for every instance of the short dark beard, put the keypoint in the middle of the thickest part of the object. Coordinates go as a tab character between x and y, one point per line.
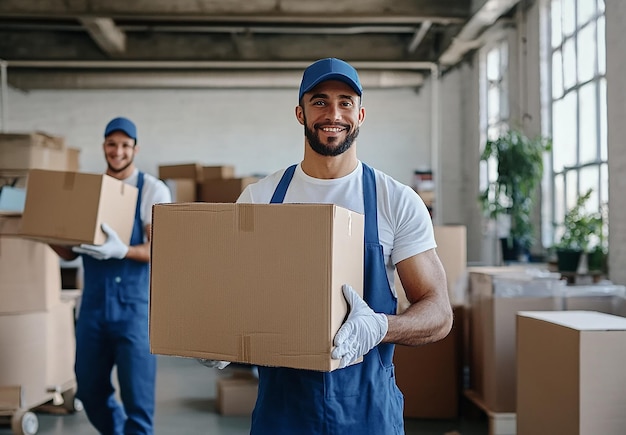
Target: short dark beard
316	144
117	171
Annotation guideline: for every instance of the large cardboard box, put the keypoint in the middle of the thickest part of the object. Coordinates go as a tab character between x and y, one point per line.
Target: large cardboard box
223	190
32	151
37	352
253	283
496	295
429	376
30	276
571	373
69	207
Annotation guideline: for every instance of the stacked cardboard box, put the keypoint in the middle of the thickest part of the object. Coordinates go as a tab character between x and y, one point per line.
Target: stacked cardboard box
36	327
570	369
191	182
32	151
495	297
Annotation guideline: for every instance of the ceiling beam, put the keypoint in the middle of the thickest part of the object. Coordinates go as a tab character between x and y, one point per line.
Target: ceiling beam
467	39
106	34
419	36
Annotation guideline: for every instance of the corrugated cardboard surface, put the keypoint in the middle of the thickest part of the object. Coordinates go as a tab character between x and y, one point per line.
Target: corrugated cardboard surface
224	190
69	207
429	376
37	351
30	276
571	373
253	283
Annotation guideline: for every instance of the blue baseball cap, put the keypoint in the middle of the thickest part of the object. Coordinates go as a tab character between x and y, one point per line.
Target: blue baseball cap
124	125
329	69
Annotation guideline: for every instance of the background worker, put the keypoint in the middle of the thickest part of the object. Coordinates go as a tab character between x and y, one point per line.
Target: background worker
361	398
112	325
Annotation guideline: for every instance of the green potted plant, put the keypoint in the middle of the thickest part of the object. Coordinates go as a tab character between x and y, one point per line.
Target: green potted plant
519	161
583	234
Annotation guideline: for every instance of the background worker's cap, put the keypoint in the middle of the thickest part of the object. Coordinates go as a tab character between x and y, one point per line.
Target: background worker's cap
329	69
124	125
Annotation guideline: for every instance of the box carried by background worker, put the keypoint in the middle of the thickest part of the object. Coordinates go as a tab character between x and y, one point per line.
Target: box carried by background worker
253	283
69	207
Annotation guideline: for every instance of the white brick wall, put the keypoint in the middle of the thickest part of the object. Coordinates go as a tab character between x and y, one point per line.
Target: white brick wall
255	130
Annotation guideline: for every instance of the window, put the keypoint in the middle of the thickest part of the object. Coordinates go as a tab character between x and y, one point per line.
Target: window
494	105
577	107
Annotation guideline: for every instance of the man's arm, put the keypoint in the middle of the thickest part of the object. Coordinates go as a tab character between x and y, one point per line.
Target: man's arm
141	252
429	317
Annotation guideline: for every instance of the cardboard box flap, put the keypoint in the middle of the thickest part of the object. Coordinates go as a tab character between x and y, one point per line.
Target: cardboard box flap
580	320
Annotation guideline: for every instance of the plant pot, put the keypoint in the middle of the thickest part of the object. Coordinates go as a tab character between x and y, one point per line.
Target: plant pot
512	250
568	260
596	262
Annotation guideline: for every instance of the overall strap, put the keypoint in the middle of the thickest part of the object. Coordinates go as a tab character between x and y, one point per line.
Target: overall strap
281	189
369	205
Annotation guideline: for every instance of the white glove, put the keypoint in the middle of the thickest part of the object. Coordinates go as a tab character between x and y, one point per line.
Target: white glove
212	363
362	330
112	248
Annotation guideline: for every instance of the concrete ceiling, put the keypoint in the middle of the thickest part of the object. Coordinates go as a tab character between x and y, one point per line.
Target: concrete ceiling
238	43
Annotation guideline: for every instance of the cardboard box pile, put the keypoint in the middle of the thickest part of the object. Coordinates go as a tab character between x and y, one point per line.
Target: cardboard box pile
253	283
571	373
23	151
37	344
37	352
191	182
69	208
495	297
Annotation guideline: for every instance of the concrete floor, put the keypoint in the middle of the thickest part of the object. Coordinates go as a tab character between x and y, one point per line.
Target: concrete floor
186	405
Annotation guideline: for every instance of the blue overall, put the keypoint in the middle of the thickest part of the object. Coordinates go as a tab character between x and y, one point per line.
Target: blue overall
359	399
112	329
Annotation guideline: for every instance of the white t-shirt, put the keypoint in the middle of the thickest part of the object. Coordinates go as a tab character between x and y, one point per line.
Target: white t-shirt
404	224
154	191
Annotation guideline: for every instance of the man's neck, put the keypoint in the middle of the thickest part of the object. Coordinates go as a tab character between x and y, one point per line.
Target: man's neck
122	175
329	167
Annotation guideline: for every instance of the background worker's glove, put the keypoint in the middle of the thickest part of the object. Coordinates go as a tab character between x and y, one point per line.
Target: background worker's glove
362	330
213	363
112	248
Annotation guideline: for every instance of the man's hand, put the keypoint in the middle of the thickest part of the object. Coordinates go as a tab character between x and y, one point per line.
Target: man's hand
213	363
362	330
112	248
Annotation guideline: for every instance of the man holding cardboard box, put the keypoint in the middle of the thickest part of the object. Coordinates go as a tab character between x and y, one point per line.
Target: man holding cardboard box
360	397
112	326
